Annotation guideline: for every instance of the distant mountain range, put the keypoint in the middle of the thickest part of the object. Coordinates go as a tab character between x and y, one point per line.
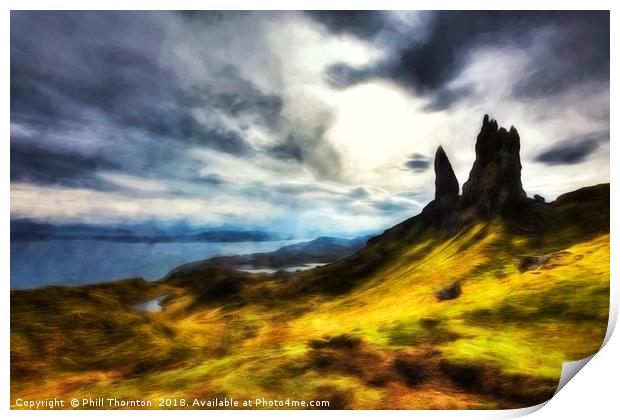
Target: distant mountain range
27	230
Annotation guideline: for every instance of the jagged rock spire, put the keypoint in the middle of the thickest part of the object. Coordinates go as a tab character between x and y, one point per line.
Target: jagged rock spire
443	208
494	184
446	184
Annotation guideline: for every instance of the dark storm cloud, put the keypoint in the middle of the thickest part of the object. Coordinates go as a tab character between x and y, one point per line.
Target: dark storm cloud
66	67
268	107
361	23
578	51
287	149
242	99
418	162
41	166
90	68
445	97
208	16
571	152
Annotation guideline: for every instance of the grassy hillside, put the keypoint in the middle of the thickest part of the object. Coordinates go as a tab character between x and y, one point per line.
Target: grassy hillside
366	332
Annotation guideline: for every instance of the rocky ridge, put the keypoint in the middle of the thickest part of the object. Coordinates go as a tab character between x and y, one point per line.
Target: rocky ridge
494	184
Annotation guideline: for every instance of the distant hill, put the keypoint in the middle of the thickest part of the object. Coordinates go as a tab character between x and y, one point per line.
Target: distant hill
323	249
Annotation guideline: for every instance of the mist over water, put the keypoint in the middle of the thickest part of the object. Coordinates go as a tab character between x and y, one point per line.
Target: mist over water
77	262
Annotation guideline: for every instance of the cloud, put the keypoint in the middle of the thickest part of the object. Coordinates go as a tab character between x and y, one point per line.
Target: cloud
307	144
359	192
287	149
41	166
361	23
342	75
394	205
125	83
577	48
213	179
418	162
447	96
577	51
164	87
572	151
237	97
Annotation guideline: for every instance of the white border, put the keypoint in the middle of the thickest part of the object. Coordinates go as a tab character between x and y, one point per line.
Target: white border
593	394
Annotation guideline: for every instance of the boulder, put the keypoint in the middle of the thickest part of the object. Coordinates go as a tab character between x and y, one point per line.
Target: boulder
532	262
450	292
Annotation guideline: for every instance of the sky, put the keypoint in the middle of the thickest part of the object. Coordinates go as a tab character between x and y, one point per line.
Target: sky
301	123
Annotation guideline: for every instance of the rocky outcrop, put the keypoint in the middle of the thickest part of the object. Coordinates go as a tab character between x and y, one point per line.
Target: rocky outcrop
493	188
494	184
446	184
445	204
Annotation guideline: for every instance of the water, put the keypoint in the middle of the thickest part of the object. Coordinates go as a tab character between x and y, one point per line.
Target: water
75	262
153	305
307	266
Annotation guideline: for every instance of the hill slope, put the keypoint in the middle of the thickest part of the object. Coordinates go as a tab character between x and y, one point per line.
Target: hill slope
320	250
471	304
